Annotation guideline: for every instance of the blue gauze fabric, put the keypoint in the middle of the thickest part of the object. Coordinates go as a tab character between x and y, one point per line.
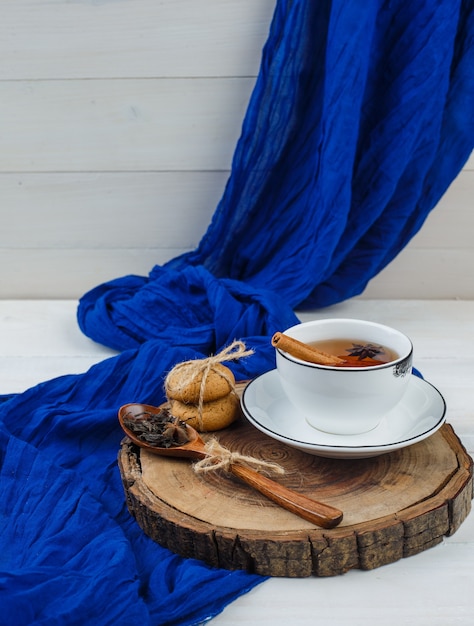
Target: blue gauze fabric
361	116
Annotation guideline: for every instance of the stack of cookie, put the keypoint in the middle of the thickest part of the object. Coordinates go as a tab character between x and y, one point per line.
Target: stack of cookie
207	407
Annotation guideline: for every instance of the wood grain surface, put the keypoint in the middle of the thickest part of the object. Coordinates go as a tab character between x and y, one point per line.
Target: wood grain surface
394	505
40	340
118	123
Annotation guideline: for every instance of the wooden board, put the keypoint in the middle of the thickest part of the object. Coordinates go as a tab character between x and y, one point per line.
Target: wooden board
395	505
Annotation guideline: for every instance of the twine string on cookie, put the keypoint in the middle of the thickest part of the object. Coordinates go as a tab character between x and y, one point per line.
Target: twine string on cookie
187	371
220	457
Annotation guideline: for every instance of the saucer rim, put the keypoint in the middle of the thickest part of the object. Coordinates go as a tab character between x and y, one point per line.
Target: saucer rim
344	447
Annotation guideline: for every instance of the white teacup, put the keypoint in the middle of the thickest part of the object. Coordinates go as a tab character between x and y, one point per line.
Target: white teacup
347	400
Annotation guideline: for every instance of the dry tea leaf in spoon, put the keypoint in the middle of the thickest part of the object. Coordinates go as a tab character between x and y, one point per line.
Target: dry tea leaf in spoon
160	429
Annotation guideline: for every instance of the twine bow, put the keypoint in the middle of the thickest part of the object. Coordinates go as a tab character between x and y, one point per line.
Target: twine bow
187	371
220	457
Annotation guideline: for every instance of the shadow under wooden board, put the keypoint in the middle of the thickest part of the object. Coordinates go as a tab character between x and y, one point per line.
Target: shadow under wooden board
395	505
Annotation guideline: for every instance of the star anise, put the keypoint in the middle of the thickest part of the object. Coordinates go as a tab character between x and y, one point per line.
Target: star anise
367	351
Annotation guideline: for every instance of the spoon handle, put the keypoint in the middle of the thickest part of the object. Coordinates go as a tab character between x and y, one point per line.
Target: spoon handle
316	512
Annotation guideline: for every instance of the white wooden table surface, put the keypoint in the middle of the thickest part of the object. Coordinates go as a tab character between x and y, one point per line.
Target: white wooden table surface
40	340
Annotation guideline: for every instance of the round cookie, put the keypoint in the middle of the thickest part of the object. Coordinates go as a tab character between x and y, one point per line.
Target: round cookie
216	414
219	382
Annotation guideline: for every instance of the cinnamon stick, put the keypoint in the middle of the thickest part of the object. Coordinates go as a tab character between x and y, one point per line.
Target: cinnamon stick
304	351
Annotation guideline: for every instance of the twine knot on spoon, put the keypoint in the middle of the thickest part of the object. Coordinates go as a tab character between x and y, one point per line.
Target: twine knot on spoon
220	457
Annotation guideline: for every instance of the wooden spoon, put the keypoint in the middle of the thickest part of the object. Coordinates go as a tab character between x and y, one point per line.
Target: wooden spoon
310	510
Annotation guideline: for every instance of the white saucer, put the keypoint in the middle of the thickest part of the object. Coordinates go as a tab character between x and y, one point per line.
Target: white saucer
420	414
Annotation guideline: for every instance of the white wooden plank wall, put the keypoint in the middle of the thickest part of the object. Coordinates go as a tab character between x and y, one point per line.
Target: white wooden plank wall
118	121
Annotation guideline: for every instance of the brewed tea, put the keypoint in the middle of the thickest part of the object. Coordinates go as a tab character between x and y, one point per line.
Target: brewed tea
355	352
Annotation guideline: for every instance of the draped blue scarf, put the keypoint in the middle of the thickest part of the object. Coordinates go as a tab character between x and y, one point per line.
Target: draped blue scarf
360	118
